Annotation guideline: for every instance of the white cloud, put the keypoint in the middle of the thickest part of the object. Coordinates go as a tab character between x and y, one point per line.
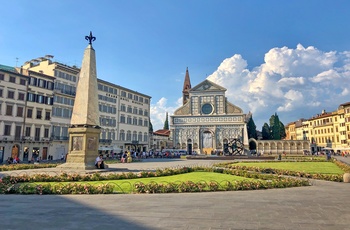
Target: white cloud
159	110
296	83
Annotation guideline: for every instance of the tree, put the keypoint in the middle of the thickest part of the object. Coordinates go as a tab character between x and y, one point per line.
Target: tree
275	127
150	127
282	131
251	128
265	132
166	123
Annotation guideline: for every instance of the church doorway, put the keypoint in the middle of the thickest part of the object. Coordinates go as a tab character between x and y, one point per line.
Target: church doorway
189	147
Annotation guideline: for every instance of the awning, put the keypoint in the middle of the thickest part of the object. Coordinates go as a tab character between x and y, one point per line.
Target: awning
102	148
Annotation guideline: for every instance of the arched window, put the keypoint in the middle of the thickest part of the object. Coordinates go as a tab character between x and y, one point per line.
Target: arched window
122	135
128	135
139	136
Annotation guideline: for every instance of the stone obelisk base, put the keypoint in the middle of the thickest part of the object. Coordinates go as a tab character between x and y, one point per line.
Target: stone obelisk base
83	148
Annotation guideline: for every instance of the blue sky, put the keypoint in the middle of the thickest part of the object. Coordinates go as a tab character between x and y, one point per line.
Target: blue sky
289	57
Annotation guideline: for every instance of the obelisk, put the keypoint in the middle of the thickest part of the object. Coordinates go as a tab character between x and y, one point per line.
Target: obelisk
84	131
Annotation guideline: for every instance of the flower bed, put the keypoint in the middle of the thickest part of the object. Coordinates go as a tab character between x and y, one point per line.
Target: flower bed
319	176
13	167
37	184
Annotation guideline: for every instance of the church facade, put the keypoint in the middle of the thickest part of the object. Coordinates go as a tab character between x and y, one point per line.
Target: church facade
207	121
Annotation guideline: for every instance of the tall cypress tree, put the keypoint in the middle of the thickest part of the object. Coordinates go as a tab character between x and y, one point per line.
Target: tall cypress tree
275	130
282	131
150	127
251	128
265	132
166	123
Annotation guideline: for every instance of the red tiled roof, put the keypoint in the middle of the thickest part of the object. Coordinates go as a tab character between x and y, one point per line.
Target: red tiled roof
162	132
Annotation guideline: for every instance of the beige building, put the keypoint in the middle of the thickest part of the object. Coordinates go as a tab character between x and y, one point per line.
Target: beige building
26	100
327	130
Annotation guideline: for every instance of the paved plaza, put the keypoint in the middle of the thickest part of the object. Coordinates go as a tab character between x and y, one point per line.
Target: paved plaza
325	205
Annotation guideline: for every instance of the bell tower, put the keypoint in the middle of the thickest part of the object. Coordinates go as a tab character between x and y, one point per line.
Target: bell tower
186	88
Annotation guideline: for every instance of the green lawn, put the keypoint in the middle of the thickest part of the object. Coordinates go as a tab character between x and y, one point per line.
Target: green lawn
127	185
307	167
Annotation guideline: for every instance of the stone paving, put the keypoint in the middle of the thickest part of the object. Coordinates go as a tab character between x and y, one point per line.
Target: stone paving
325	205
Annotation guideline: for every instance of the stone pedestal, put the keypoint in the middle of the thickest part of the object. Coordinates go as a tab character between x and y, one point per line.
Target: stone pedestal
83	148
346	177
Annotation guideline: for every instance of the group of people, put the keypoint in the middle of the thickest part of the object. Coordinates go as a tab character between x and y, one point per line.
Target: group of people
11	160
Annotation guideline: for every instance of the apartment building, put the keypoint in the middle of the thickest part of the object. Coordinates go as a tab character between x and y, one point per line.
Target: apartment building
330	130
36	104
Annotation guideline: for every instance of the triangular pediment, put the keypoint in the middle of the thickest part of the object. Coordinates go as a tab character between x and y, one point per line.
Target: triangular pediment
207	85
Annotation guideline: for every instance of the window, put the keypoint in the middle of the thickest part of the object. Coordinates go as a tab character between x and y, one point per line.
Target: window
146	113
140	112
128	136
47	115
1	92
135	110
12	79
27	133
145	137
2	76
129	109
29	113
46	133
38	114
139	136
22	82
136	98
123	108
140	122
122	118
123	94
129	120
21	96
122	135
134	121
7	130
146	101
129	95
11	94
9	109
134	136
19	111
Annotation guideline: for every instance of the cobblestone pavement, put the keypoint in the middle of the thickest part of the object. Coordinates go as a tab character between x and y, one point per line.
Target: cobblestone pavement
325	205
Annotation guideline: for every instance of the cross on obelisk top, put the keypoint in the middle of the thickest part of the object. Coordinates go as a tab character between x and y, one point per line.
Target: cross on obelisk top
90	38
